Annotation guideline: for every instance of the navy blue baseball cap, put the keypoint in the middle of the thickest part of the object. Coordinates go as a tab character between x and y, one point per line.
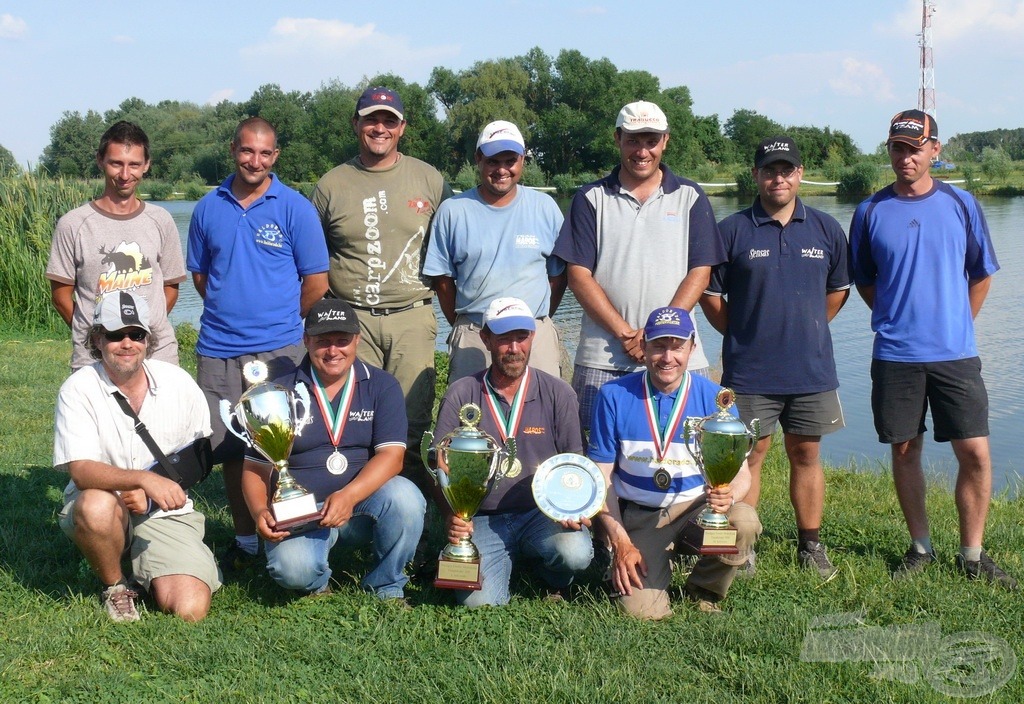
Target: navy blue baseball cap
380	98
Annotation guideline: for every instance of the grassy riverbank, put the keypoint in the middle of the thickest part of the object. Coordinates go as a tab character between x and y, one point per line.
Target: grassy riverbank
259	644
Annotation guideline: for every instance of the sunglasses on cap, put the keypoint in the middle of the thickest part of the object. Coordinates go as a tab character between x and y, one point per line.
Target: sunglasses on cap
133	334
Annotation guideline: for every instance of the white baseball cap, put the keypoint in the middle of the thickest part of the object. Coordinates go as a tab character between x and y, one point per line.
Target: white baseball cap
508	314
642	116
500	136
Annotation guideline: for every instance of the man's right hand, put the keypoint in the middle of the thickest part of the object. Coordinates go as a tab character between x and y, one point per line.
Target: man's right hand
631	344
266	526
164	492
458	528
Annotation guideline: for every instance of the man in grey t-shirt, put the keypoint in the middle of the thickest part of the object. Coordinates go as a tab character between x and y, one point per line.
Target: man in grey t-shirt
117	243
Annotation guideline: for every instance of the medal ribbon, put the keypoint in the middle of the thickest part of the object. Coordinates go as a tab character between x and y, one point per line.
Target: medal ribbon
507	427
335	423
662	440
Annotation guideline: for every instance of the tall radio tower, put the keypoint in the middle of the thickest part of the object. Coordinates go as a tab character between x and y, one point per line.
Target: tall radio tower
926	93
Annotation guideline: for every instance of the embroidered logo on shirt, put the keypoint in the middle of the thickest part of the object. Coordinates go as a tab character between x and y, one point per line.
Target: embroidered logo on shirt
812	253
360	416
420	205
527	242
532	430
270	235
758	253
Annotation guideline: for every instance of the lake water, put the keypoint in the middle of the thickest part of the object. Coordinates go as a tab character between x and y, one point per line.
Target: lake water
999	330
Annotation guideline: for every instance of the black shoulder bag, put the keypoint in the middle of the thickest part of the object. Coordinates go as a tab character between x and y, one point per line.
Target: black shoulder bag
188	466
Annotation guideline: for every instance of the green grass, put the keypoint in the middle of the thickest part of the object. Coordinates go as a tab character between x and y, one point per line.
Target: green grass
260	644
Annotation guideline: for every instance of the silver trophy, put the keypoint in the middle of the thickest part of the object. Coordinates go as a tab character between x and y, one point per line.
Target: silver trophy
469	463
269	418
719	444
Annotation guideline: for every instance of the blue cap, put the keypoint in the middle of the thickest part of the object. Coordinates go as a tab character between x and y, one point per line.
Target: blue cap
668	322
380	98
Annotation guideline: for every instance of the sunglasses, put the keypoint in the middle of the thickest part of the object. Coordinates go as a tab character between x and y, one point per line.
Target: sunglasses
133	334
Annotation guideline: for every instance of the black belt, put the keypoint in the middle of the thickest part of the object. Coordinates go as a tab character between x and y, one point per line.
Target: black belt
390	311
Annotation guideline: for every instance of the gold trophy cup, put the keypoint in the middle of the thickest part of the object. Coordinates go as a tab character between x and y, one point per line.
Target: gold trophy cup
466	463
720	444
269	418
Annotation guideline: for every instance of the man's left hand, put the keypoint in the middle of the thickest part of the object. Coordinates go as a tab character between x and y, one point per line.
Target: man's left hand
580	524
720	498
136	501
337	510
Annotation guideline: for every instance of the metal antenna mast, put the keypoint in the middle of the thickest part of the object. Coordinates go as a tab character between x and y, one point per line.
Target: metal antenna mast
926	93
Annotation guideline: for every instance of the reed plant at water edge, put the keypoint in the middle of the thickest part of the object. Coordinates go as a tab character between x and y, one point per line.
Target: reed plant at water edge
30	206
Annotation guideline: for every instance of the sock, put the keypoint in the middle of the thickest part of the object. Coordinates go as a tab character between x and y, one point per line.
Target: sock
807	535
922	545
970	554
249	543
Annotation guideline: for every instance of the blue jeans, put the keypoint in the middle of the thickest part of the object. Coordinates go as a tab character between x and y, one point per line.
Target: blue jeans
503	536
391	518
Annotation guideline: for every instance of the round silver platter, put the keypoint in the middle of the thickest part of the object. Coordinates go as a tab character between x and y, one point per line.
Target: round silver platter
568	486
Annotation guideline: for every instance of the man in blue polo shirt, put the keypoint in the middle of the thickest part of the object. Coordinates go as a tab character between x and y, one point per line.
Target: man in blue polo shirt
923	262
635	240
786	277
258	259
494	240
637	439
349	456
540	411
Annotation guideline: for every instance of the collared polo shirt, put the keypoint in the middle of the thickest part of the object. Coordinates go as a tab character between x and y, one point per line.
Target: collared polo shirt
254	259
621	434
376	419
639	253
775	279
549	426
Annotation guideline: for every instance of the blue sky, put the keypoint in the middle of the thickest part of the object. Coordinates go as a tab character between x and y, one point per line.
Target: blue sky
848	65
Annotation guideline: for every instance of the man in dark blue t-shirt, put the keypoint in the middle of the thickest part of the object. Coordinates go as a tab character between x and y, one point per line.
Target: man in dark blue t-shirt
349	456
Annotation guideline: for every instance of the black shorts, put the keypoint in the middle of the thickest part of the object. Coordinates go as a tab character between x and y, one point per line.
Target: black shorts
902	392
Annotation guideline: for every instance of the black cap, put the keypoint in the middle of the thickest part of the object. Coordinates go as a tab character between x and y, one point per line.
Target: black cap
913	127
774	149
331	315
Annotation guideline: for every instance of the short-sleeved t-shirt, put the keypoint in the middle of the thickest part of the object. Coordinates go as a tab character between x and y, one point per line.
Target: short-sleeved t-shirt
376	419
254	259
620	433
920	253
99	253
549	426
638	253
776	279
376	224
493	252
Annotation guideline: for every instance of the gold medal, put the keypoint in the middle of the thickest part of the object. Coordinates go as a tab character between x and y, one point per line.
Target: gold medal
662	479
515	470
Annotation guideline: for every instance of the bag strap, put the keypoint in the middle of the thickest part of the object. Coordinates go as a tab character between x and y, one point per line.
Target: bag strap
143	432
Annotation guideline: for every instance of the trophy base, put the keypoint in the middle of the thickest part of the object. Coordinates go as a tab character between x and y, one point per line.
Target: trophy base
458	574
292	513
709	541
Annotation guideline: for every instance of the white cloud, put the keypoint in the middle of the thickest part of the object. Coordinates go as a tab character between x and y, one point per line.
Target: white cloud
861	79
348	50
12	27
956	21
220	96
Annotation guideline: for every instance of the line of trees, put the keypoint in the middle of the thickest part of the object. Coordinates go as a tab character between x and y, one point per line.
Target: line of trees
565	105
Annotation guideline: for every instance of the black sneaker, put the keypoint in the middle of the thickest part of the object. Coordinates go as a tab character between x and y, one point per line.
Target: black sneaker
913	562
235	559
985	569
812	555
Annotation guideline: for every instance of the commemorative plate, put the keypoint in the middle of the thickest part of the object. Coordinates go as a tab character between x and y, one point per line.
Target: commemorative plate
568	486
